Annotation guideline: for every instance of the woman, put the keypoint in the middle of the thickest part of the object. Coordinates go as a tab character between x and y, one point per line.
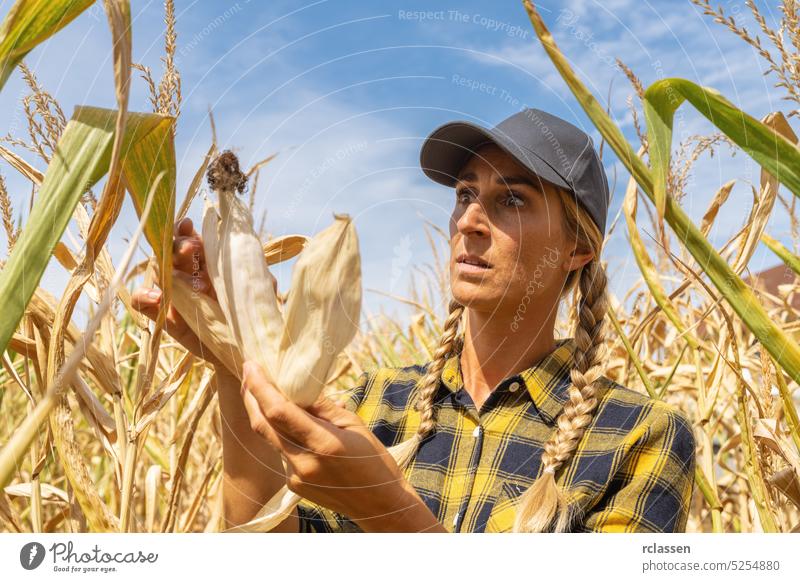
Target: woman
506	428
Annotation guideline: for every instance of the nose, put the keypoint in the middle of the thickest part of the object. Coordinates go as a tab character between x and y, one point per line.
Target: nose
473	220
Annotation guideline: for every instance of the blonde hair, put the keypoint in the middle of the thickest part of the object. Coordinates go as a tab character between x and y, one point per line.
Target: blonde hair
544	505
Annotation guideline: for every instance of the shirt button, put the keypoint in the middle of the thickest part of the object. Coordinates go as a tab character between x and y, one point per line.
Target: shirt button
513	387
455	519
476	431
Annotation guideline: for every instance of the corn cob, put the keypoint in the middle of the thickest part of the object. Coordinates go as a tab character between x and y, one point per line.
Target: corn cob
235	261
298	349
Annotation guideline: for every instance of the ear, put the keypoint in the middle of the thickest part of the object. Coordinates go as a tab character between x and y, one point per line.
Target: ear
577	259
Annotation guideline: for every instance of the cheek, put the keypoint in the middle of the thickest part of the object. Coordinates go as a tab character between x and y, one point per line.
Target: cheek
536	259
531	230
545	227
453	223
516	253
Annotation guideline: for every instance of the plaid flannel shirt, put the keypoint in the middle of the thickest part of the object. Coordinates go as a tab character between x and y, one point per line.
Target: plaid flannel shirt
633	469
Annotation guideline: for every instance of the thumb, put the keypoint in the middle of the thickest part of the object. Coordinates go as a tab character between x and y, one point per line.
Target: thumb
255	381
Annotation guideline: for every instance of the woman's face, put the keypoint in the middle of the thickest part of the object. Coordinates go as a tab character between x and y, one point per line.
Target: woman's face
513	221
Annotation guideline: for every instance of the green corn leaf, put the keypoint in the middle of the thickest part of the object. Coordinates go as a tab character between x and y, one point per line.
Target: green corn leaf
788	257
30	22
82	158
772	151
741	298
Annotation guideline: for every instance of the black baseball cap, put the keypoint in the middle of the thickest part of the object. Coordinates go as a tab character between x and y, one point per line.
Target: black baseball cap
547	145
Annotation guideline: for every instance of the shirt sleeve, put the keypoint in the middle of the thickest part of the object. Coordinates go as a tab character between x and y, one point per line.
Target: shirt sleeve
652	489
315	518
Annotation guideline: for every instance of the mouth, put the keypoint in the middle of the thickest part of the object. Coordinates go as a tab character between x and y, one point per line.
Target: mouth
472	264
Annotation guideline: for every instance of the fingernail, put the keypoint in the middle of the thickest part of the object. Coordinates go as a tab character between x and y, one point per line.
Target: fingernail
154	294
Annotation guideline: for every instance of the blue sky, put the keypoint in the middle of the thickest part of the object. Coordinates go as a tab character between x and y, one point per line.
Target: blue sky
347	91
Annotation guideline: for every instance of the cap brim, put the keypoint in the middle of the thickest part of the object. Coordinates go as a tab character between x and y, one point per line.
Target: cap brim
448	147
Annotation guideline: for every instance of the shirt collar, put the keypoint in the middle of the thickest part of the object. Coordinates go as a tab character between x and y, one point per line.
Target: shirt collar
547	382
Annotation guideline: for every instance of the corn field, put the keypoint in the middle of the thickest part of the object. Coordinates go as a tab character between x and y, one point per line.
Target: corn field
115	427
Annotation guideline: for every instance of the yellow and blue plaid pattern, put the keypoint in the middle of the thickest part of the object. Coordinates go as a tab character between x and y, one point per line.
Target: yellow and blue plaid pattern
633	469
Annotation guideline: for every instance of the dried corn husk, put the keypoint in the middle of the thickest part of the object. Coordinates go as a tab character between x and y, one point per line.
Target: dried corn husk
322	312
205	318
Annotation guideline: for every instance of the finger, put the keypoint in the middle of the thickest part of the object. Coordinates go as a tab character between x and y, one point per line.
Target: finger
290	421
146	301
188	257
187	254
260	426
184	227
326	409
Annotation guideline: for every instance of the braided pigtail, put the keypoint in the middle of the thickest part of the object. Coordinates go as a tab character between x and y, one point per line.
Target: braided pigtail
544	500
449	344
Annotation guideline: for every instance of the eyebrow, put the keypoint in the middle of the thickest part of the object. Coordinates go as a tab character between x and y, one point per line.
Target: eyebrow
504	180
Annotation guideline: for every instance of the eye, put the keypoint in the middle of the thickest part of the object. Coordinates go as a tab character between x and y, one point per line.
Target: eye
515	199
461	193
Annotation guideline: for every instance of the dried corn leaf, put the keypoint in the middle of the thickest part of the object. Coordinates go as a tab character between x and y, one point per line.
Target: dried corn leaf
23	167
765	432
200	400
283	248
713	208
8	514
768	194
49	493
788	483
42	308
156	402
94	407
151	482
8	365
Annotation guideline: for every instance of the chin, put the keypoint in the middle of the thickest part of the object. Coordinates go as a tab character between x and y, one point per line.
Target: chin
475	296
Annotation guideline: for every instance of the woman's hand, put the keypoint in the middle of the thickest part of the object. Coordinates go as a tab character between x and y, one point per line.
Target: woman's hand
334	460
189	263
